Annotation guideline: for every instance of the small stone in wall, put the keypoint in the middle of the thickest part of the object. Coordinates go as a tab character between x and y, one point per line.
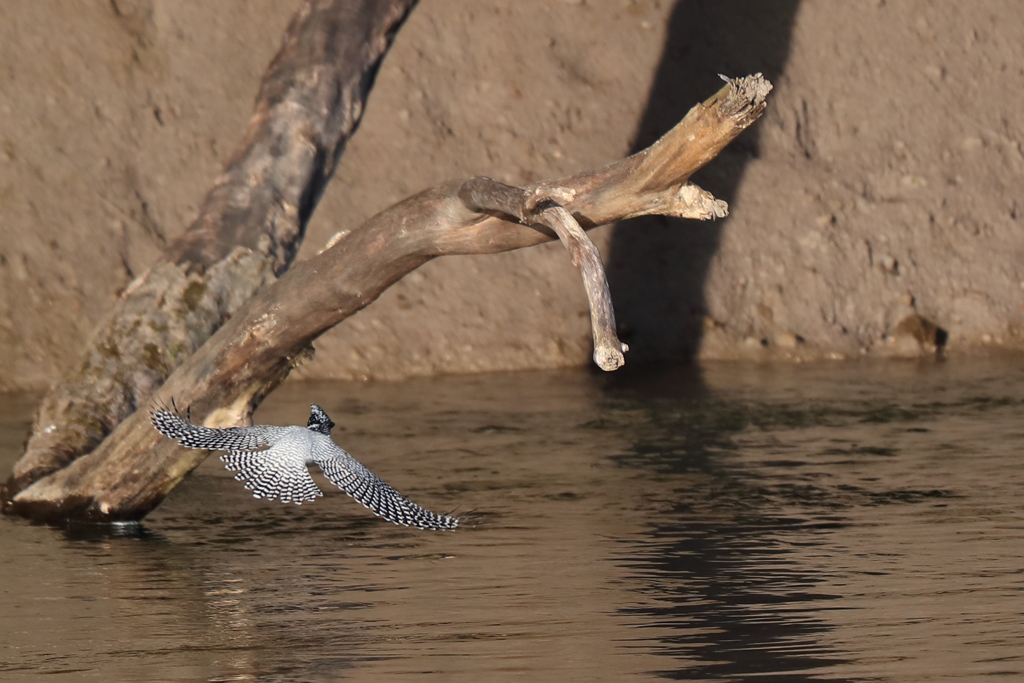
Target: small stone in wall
915	336
788	340
888	264
922	330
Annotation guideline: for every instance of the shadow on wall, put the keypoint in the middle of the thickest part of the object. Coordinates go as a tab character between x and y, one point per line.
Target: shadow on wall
658	265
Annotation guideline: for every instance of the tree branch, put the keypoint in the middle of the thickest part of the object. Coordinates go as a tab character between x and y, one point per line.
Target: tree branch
484	195
134	468
247	233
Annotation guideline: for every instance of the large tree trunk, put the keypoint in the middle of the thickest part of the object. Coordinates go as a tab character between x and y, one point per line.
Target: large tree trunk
248	231
134	468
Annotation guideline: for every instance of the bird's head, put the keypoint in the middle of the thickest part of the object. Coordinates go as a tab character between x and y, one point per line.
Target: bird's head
318	420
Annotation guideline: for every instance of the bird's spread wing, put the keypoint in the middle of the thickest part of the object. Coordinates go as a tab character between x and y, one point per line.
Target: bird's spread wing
279	473
350	476
196	436
272	477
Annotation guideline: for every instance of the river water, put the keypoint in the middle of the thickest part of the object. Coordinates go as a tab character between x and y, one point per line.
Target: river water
842	522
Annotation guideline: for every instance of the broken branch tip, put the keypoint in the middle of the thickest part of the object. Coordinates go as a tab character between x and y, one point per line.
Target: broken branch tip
608	358
753	89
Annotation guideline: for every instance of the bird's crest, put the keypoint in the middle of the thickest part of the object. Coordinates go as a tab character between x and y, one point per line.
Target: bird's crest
319	421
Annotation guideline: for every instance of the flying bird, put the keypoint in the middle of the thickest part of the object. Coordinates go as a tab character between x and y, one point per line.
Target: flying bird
272	461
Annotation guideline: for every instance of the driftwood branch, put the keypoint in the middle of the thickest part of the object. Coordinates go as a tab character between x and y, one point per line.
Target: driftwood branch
134	468
487	196
247	233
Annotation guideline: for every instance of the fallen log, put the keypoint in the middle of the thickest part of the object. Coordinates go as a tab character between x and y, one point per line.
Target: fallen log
247	233
223	382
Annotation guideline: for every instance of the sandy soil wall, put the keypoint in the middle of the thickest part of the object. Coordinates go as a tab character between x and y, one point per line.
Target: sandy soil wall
876	208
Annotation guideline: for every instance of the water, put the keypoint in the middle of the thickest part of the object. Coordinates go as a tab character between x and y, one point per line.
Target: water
840	522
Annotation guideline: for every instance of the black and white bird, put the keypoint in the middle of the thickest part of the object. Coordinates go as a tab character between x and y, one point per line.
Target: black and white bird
273	461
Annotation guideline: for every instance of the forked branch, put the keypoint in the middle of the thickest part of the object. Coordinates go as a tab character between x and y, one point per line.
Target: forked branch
485	195
133	469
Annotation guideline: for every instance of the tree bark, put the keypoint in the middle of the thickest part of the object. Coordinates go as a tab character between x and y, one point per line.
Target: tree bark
134	468
248	231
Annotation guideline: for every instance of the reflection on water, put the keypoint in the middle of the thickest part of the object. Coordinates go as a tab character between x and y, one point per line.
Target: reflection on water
833	522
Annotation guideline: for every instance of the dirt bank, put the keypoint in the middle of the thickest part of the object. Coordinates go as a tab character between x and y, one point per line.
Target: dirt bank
876	205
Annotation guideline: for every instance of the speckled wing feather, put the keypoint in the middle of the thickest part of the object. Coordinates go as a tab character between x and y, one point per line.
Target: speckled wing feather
272	463
271	477
353	478
231	439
